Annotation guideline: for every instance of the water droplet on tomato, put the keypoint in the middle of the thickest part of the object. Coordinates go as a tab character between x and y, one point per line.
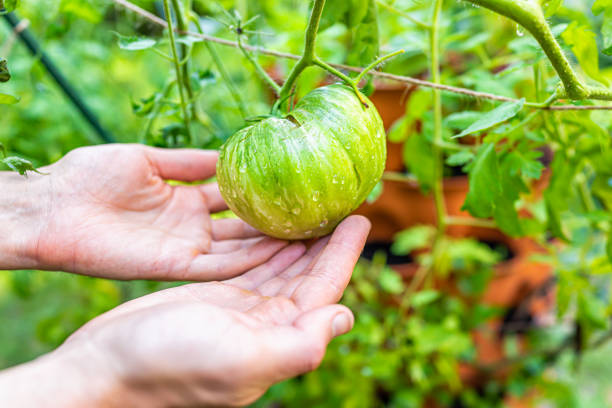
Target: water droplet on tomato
316	195
243	168
296	211
323	223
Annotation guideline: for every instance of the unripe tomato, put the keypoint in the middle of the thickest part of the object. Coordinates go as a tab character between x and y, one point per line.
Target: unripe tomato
297	177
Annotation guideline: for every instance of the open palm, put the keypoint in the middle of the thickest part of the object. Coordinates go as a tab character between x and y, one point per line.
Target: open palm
112	214
225	343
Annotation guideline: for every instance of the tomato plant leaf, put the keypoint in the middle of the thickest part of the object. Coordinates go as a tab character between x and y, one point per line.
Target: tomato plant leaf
419	159
5	75
605	7
583	44
493	118
484	183
6	99
609	245
333	12
390	281
6	6
19	165
365	41
134	43
460	158
417	237
461	120
551	6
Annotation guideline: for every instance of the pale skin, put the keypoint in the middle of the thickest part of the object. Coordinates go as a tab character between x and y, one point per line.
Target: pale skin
269	316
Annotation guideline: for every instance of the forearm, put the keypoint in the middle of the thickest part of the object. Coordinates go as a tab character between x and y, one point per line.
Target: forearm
22	211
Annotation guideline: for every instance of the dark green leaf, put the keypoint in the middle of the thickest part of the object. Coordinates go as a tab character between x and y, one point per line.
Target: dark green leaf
492	118
484	183
201	78
145	106
5	75
609	245
2	150
6	99
365	42
419	159
333	12
134	43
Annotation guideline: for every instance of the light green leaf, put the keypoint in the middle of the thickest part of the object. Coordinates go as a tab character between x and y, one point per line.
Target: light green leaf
424	297
605	6
19	165
82	9
484	183
6	99
135	43
6	6
461	120
492	118
376	192
583	44
460	158
551	6
408	240
390	281
365	38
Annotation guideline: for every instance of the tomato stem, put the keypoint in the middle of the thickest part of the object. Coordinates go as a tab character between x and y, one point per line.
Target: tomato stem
375	63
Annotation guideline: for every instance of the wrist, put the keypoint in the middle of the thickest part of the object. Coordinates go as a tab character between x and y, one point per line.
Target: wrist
63	378
22	215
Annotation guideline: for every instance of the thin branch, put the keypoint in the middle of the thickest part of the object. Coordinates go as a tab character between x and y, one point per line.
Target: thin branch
383	75
403	14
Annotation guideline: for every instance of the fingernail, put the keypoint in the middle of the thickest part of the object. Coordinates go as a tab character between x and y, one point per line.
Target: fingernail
341	324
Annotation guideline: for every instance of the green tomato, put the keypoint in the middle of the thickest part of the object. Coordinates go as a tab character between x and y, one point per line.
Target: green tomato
297	177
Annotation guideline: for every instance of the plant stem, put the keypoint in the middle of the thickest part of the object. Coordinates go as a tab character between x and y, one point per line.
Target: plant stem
308	56
470	222
177	67
529	15
437	99
182	27
260	71
345	78
375	63
155	113
403	14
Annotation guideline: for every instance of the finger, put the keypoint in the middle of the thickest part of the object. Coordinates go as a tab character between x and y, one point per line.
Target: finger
232	228
183	164
213	197
225	266
325	282
231	245
296	350
277	264
273	286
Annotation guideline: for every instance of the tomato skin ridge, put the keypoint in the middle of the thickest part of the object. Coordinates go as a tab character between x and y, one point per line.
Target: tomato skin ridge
298	177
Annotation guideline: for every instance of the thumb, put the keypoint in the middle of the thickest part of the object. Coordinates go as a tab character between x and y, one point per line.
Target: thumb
299	349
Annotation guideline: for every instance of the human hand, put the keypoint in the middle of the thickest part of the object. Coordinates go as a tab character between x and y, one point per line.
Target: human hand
212	344
109	212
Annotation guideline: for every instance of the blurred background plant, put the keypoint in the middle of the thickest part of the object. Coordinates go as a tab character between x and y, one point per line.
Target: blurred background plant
505	302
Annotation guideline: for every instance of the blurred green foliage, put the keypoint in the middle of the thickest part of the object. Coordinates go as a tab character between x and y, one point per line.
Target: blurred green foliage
404	350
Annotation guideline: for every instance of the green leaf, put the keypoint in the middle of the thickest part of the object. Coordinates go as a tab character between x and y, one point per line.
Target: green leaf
424	297
85	10
408	240
6	99
461	120
19	165
365	38
134	43
6	6
592	310
201	78
551	6
5	75
583	44
376	192
2	150
460	158
493	191
418	156
609	245
390	281
605	7
333	12
492	118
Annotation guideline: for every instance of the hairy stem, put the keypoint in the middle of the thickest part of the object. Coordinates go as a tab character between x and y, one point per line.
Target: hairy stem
177	67
528	14
308	56
260	71
181	24
375	63
437	99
